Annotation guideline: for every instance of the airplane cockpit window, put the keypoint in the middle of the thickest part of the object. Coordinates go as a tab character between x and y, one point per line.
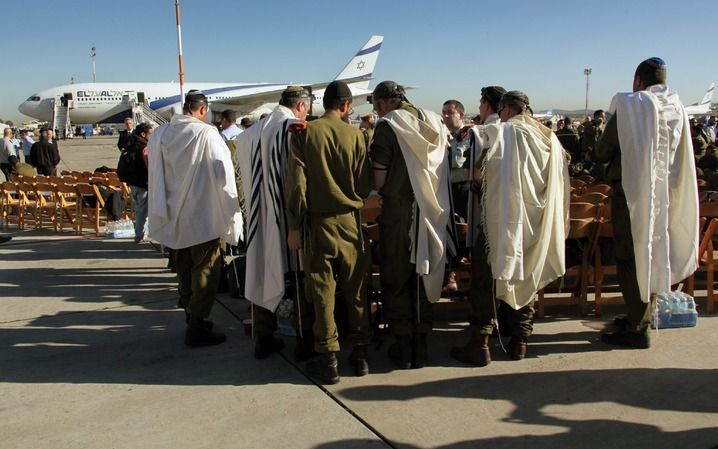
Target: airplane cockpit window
34	98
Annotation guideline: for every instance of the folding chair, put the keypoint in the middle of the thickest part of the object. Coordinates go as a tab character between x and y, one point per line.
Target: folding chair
580	239
11	205
91	207
601	188
46	203
590	197
706	256
68	205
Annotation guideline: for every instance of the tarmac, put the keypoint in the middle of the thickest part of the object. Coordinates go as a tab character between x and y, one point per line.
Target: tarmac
92	356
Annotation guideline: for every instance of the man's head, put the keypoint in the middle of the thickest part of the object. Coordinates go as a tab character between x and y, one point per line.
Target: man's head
246	122
143	130
453	113
567	122
367	121
196	105
13	160
129	124
297	99
387	96
23	134
7	132
650	72
513	103
599	117
338	98
489	102
49	133
229	118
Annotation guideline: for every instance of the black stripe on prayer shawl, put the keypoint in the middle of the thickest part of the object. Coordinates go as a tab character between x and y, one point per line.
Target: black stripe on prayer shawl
276	173
453	240
254	205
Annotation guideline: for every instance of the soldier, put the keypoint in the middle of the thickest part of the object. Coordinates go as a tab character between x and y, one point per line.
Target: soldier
568	136
193	207
367	127
327	182
524	224
654	208
262	158
415	213
452	112
481	293
592	132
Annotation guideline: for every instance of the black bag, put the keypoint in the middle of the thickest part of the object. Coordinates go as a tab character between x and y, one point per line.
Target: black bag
126	165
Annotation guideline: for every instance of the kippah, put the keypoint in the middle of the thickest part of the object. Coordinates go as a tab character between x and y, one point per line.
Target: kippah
493	94
655	62
515	96
338	90
387	89
295	92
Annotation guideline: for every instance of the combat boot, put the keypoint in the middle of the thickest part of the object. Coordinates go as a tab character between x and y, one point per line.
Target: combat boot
517	347
638	340
420	352
476	351
326	369
400	352
304	348
198	335
267	345
359	360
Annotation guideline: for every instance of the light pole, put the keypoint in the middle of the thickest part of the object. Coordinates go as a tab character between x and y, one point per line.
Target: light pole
586	72
93	53
179	49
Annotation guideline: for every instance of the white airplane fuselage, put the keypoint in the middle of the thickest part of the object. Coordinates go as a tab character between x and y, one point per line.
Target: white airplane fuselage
107	102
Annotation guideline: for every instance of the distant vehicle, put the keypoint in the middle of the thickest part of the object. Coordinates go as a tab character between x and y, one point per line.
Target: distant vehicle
704	107
109	102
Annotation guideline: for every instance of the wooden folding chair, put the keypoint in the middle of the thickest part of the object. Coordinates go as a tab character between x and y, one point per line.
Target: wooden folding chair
602	267
11	205
581	236
28	202
578	185
590	197
601	188
91	207
706	256
47	203
68	203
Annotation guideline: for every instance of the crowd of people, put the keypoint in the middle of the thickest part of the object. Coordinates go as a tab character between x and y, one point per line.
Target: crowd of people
23	156
289	191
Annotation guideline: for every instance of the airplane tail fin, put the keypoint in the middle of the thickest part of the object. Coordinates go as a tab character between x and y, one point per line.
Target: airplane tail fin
708	97
359	69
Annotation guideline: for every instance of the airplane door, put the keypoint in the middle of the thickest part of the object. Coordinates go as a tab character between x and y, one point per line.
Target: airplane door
140	97
67	99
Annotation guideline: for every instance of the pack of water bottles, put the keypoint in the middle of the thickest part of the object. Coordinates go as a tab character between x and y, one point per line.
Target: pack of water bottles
674	309
120	229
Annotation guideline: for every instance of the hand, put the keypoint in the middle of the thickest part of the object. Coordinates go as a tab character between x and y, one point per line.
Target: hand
293	240
478	176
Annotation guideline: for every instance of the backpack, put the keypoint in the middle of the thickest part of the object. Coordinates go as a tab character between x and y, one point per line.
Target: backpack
126	165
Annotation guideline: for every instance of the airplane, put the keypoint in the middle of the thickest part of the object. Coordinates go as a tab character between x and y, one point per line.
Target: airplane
110	102
704	107
545	115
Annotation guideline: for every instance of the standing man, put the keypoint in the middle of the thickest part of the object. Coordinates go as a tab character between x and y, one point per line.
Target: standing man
327	182
481	292
525	220
193	207
230	130
592	133
570	140
7	149
654	208
460	140
414	226
44	155
26	143
262	154
136	150
125	135
367	128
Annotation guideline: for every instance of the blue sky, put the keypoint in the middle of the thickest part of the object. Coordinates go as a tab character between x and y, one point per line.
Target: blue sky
444	49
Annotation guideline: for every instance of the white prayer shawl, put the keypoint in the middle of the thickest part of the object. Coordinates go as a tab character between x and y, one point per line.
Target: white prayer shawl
659	181
262	156
192	194
423	144
525	208
480	144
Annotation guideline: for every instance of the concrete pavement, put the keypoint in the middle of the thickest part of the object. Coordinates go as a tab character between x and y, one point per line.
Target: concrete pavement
92	356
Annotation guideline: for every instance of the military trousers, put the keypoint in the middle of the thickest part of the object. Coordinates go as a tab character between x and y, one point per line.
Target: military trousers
199	268
405	305
334	250
639	312
484	304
